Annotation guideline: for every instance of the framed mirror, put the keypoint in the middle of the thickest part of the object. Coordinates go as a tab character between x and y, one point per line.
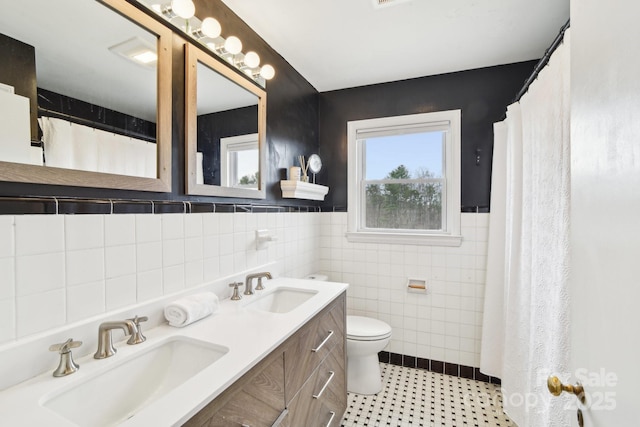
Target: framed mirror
100	85
225	130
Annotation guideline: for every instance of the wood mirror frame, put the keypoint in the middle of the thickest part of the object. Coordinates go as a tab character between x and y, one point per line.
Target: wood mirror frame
16	172
195	55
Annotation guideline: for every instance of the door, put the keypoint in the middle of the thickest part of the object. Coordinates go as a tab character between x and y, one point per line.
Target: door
605	209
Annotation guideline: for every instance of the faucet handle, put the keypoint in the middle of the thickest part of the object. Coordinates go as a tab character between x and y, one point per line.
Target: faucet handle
137	337
65	347
67	365
260	287
236	295
139	319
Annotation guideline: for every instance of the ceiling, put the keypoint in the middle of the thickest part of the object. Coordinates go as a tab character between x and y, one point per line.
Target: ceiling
338	44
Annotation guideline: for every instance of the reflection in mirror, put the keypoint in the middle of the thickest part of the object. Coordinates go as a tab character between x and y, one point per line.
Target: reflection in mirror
225	110
99	92
239	165
225	130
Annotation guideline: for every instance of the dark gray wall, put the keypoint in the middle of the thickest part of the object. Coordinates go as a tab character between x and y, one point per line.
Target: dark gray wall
481	94
20	72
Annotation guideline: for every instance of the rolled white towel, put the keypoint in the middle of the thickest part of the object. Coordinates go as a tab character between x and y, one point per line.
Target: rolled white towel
191	308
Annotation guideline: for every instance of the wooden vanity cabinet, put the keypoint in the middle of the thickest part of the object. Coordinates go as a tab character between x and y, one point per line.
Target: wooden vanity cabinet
255	400
322	399
315	381
302	383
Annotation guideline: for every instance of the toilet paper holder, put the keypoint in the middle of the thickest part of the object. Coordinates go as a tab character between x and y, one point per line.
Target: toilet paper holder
417	285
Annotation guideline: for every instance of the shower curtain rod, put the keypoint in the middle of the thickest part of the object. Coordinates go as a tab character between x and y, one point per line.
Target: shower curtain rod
94	124
543	62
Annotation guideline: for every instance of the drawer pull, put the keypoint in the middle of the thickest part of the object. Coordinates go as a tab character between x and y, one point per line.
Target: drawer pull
322	343
333	414
324	387
278	421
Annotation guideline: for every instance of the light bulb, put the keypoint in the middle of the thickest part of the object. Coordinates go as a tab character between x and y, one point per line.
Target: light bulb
233	45
267	72
211	27
183	8
251	59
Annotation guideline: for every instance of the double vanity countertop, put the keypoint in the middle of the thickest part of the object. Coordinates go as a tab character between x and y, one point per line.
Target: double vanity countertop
245	334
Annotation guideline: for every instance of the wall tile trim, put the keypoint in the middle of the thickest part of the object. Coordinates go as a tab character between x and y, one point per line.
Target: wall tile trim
74	206
437	366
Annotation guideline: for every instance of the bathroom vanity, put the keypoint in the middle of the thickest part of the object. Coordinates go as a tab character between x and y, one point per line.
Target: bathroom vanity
300	383
276	358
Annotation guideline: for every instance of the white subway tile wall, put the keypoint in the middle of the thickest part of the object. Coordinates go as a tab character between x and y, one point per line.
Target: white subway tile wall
445	323
60	269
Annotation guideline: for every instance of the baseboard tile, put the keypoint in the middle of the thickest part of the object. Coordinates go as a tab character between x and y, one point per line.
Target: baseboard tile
440	367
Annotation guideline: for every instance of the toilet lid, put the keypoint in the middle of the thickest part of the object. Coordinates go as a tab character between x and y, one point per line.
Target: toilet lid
367	329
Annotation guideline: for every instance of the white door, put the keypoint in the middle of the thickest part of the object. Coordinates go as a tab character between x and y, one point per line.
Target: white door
605	208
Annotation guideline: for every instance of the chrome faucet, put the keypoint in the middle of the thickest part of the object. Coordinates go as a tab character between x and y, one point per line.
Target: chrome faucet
248	287
105	344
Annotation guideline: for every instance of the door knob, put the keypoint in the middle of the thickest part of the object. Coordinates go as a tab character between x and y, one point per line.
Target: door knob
556	388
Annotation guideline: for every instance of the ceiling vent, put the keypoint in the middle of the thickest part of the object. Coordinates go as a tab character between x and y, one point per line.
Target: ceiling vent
379	4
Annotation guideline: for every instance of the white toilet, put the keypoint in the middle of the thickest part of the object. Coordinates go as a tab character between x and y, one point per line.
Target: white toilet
365	338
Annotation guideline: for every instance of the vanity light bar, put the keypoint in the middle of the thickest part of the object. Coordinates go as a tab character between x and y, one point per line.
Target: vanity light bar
207	32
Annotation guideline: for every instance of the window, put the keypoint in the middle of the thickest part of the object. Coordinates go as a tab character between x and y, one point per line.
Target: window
240	161
404	179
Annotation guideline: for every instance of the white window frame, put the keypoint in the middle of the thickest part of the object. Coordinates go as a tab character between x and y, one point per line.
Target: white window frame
230	145
450	234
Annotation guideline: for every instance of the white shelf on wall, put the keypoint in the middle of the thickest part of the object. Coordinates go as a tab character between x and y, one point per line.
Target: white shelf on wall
303	190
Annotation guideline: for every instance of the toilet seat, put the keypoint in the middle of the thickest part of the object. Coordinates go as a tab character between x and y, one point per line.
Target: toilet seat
361	328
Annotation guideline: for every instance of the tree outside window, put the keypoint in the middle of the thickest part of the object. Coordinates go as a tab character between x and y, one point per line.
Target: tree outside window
409	206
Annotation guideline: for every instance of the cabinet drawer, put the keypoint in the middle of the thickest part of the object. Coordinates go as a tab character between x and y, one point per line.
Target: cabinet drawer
332	402
322	400
311	345
256	399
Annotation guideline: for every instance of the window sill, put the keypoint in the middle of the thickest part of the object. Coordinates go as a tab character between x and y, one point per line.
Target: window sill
405	238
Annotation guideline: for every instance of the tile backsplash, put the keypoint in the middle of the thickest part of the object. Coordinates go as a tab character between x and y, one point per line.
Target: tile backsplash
61	269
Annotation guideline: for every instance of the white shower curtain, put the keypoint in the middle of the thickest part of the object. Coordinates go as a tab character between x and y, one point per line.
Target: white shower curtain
525	333
73	146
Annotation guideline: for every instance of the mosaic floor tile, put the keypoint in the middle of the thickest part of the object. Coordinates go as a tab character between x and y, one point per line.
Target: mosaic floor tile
415	397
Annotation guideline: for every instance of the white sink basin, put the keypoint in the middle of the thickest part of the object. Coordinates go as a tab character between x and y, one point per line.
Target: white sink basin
119	393
281	300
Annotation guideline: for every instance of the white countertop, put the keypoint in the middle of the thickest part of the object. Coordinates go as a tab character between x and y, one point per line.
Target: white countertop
248	333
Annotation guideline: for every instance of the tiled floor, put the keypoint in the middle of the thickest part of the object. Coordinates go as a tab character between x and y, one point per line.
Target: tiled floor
415	397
